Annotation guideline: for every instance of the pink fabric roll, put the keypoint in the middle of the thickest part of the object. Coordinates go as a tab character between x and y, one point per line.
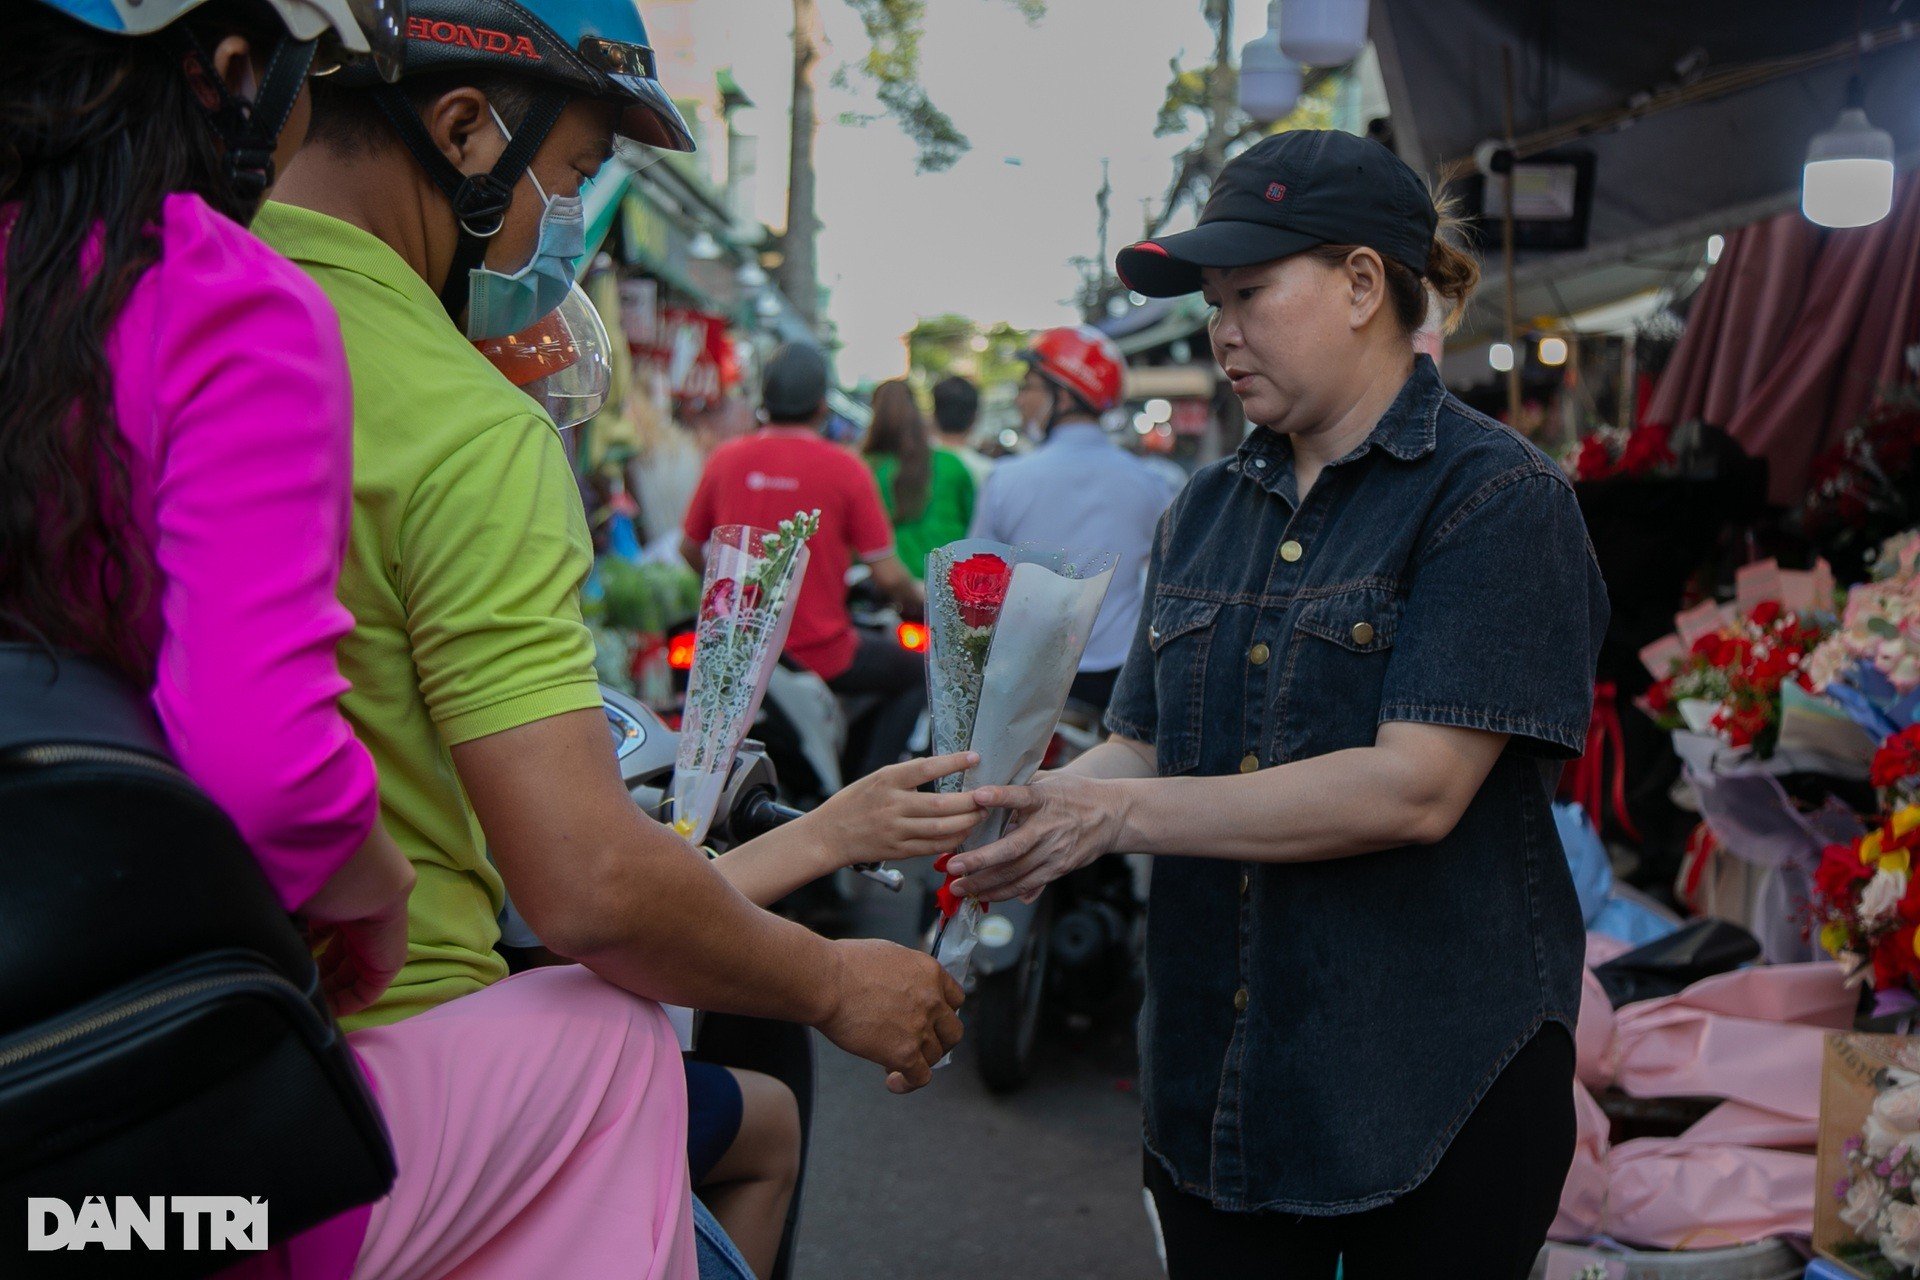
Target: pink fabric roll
1754	1037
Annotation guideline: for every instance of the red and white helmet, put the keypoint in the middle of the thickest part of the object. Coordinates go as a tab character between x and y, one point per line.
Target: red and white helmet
1083	360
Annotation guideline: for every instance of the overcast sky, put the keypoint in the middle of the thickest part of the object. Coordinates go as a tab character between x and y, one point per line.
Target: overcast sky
992	237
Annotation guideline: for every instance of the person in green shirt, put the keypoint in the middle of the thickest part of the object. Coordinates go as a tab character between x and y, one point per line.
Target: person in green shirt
444	210
928	491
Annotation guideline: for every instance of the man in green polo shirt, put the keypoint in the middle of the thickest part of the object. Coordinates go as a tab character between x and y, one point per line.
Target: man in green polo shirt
472	672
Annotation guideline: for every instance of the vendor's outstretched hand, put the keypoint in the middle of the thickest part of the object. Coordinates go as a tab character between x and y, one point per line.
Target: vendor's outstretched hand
1064	822
885	816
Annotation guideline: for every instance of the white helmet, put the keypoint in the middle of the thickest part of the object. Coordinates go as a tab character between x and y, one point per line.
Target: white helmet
363	28
320	34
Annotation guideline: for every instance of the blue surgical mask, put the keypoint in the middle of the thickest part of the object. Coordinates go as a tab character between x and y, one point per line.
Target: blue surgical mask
500	303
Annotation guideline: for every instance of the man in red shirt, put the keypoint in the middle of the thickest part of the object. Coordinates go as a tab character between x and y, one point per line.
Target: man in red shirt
788	467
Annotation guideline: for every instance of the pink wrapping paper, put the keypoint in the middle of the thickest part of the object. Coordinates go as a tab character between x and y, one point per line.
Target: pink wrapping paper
1753	1037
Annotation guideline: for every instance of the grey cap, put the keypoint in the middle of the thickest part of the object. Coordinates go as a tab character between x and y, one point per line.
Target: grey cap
793	388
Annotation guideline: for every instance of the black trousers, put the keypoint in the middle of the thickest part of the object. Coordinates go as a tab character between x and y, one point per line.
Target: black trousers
1481	1215
899	679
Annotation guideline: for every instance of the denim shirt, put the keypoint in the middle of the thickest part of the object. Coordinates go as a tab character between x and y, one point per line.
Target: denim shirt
1315	1033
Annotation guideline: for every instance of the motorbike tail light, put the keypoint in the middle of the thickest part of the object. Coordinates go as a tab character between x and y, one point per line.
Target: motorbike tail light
680	652
913	637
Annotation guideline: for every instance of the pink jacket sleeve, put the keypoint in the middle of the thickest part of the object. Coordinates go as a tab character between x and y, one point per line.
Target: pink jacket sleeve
252	490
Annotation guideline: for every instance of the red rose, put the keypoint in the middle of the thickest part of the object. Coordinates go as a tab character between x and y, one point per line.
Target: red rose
979	586
1898	758
1660	696
1840	874
1894	961
1646	451
1765	614
727	597
1594	461
718	602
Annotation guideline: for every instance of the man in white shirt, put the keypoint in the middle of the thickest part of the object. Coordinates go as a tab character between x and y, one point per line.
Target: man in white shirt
1079	489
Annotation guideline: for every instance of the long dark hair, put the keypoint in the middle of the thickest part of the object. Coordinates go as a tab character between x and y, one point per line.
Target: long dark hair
898	431
95	132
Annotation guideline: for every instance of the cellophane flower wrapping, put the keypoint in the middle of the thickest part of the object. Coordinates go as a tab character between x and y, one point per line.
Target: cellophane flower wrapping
746	609
1008	625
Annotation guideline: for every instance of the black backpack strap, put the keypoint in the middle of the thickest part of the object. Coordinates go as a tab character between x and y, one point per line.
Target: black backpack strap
49	697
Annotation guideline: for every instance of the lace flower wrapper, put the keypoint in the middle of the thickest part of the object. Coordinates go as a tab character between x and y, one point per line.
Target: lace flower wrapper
746	609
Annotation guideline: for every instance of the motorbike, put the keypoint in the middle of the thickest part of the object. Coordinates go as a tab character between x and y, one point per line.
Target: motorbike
1071	954
749	806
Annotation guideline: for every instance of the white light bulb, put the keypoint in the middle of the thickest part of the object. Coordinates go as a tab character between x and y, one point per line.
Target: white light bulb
1553	351
1158	410
1848	181
1716	245
1500	356
1270	81
1322	33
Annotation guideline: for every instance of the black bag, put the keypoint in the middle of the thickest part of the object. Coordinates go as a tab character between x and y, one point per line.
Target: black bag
1667	966
162	1028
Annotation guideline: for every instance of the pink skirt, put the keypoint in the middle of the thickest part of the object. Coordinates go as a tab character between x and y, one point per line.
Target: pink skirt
540	1128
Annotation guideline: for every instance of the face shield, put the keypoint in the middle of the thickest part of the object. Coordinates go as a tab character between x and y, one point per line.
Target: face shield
564	360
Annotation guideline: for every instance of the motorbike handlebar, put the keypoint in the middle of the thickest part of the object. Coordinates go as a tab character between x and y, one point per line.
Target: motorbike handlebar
762	813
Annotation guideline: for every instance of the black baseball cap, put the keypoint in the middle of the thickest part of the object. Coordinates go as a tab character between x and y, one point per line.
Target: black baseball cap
1287	193
793	387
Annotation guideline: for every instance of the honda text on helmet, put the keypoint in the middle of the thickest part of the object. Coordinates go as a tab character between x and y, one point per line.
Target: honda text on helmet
568	49
319	36
1083	362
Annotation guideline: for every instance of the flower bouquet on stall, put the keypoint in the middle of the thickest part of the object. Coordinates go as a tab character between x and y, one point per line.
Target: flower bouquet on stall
1610	453
1870	666
746	608
1738	678
1008	625
1868	1213
1732	685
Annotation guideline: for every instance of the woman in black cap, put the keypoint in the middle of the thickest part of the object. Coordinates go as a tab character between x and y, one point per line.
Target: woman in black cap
1369	642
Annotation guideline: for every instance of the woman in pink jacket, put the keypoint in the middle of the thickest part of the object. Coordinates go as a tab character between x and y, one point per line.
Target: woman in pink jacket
174	495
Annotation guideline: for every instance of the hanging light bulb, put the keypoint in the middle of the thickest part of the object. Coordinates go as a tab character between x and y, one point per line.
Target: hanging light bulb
1269	80
1321	33
703	246
1848	181
1553	351
1716	245
1500	356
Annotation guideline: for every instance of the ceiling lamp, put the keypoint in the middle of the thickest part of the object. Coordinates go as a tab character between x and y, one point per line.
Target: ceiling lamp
1321	33
1848	180
1553	351
1269	80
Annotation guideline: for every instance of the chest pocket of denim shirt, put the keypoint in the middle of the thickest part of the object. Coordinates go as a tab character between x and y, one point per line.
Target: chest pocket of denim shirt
1336	672
1180	635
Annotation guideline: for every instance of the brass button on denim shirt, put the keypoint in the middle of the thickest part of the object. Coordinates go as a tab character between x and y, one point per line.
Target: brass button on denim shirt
1440	573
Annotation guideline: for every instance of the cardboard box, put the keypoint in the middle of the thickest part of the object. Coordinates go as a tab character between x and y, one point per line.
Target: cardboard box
1857	1070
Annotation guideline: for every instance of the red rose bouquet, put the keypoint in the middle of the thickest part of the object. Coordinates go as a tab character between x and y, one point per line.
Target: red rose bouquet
1007	626
1728	681
1613	454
